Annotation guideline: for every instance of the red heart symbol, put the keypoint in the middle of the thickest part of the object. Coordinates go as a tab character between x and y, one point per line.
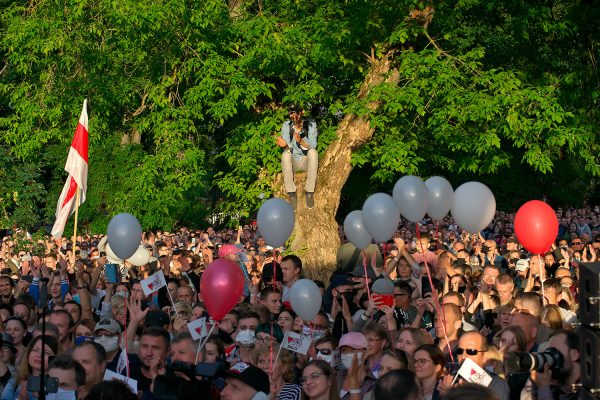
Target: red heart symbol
473	372
198	330
150	285
290	339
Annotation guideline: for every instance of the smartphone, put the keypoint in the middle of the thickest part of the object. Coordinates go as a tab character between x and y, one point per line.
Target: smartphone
384	299
28	278
112	273
425	285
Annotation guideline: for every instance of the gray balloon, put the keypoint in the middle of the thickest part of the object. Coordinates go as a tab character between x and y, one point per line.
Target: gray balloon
440	197
411	197
305	298
124	235
473	206
355	230
275	221
381	216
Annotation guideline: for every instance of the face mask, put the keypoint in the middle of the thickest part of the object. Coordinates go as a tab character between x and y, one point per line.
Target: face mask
76	298
62	394
347	359
375	373
246	338
485	249
327	358
110	343
82	339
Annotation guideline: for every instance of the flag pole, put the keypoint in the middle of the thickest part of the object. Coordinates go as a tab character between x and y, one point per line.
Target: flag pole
77	199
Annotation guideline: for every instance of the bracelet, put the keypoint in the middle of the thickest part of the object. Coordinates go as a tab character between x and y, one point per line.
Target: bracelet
354	391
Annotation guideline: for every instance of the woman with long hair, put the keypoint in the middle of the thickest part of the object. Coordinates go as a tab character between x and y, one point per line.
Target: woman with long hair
280	371
318	381
409	339
31	366
430	365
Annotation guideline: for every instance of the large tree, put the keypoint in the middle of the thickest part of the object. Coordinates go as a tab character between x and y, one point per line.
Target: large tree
187	96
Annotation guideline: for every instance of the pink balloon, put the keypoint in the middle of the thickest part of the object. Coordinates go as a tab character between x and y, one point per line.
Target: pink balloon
221	285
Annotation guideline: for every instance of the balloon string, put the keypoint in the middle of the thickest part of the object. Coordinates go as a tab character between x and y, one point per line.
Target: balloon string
275	254
437	242
385	251
435	293
271	353
126	344
541	276
364	255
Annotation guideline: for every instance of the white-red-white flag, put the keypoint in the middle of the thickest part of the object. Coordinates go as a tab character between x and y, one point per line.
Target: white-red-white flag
77	167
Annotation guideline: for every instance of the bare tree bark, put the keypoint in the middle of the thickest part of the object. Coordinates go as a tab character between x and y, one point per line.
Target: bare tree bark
315	238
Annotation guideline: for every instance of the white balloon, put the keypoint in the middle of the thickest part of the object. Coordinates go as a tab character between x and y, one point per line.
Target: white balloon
381	216
473	206
305	299
140	257
110	256
102	244
355	230
440	197
411	197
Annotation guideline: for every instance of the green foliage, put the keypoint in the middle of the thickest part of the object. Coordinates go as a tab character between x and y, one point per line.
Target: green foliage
484	88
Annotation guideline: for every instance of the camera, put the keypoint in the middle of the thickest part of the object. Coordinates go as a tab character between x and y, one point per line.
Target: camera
185	380
524	362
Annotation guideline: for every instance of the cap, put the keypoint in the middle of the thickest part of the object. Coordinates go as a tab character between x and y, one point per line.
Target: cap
7	341
383	286
522	265
356	340
108	324
252	376
157	318
227	249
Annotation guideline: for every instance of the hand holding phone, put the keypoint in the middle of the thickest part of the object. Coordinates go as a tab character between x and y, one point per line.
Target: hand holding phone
111	272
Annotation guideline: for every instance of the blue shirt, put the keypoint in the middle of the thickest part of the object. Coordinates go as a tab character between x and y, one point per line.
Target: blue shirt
309	133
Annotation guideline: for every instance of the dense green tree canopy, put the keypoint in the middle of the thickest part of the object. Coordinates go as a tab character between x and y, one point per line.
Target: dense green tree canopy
185	97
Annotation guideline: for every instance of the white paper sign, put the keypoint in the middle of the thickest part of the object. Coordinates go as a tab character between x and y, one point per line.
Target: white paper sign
197	328
154	282
132	383
296	342
473	373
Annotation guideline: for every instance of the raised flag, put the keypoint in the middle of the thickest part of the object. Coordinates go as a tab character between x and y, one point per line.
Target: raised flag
473	373
154	282
197	328
295	342
77	167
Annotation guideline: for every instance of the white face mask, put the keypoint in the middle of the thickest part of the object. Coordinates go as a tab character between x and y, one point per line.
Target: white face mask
328	359
246	338
348	358
110	343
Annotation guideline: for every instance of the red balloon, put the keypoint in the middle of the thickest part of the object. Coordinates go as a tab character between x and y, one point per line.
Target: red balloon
221	285
536	226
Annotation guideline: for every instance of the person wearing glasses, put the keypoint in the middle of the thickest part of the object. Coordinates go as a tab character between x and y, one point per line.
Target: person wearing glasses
318	381
299	143
474	345
430	365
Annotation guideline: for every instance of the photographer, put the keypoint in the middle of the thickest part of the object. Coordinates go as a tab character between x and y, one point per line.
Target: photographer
181	379
557	383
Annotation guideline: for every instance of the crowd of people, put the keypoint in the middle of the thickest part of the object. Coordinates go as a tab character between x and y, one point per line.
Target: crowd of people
397	321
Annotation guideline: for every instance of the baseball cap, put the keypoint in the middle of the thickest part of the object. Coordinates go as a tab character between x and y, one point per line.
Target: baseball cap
383	286
252	376
227	249
7	341
157	318
356	340
522	265
108	324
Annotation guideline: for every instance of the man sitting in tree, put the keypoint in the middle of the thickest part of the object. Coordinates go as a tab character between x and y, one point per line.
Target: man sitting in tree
299	142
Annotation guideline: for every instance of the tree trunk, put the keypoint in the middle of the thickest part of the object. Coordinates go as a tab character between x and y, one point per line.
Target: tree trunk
315	238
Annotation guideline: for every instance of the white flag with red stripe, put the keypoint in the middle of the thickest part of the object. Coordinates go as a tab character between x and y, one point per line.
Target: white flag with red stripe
77	167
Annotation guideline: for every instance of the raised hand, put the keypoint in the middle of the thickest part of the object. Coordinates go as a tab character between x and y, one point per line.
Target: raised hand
135	310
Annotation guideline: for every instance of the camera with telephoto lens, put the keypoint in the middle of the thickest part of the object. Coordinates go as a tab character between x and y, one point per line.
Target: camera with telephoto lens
524	362
183	381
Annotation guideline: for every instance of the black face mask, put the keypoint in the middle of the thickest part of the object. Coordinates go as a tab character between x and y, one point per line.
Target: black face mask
485	249
462	289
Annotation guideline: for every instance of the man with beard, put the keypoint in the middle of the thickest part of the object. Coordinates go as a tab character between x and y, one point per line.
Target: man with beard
546	385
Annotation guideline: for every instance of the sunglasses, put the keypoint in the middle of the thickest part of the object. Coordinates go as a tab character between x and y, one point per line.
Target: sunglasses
575	243
325	352
470	352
